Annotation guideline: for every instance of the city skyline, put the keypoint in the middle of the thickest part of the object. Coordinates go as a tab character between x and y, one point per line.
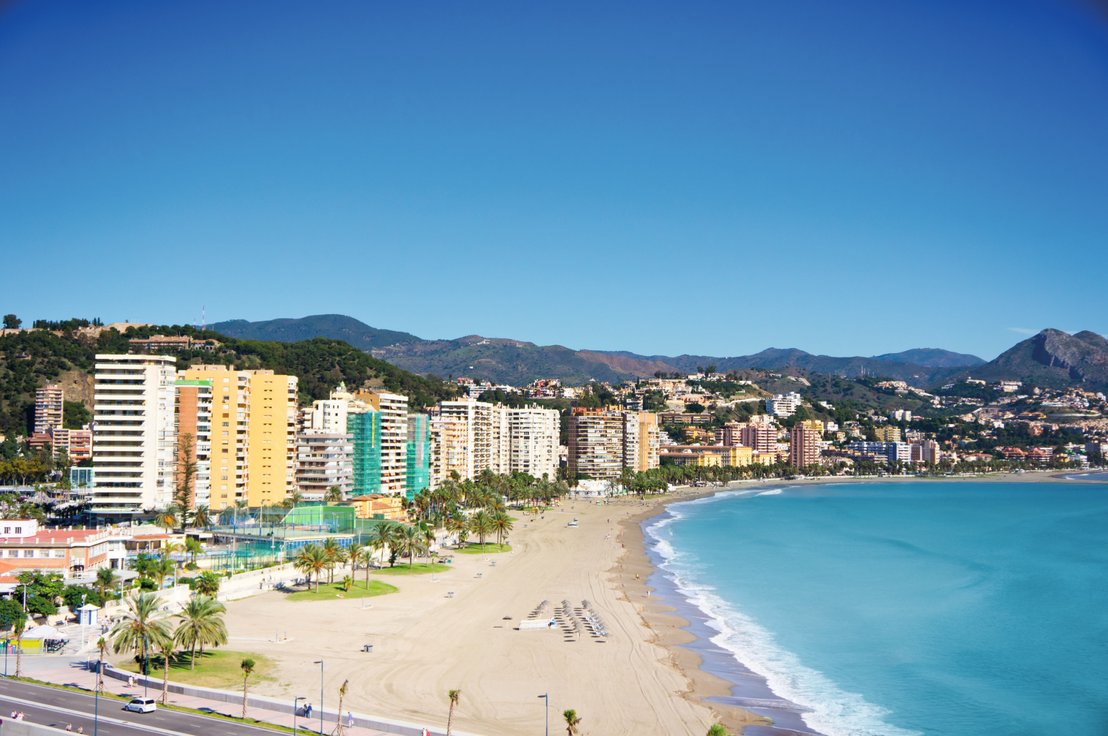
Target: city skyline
933	169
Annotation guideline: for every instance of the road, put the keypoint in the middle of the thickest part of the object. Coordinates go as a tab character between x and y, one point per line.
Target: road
54	707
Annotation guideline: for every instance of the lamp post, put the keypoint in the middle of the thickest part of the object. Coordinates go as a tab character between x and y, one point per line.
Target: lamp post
546	697
295	708
96	707
320	663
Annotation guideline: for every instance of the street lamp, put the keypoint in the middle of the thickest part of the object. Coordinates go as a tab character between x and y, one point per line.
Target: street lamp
295	708
320	663
546	697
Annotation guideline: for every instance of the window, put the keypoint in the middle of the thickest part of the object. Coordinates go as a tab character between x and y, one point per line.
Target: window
28	553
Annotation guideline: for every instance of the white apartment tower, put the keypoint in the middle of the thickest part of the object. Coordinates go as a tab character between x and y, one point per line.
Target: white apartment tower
135	437
533	441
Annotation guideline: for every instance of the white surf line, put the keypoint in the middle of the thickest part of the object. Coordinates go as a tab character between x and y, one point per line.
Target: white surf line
120	721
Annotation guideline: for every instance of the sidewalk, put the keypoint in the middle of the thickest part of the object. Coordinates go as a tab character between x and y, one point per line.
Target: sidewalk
67	671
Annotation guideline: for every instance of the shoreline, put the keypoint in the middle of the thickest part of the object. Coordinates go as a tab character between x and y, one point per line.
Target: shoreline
671	618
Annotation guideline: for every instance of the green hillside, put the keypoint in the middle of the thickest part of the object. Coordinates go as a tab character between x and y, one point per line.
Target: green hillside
29	360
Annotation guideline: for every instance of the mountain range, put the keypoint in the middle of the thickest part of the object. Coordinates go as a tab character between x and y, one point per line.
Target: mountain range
519	362
1052	358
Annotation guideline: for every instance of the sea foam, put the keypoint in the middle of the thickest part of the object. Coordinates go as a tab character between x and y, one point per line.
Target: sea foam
824	706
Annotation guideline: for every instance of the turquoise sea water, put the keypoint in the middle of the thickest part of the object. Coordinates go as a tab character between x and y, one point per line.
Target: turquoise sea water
888	609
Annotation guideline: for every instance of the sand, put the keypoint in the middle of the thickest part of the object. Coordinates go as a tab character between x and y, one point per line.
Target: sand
457	630
426	642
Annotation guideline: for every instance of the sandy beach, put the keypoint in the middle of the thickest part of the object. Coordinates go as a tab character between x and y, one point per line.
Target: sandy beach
426	641
457	629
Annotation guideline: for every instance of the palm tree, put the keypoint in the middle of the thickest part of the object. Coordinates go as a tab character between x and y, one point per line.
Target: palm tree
453	695
247	666
140	625
340	729
193	547
572	721
102	646
481	524
19	627
502	523
105	581
161	568
165	645
311	559
335	556
201	623
382	535
354	555
166	518
207	583
202	517
409	542
334	495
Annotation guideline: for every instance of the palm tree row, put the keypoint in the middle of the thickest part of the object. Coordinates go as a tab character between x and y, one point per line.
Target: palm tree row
145	627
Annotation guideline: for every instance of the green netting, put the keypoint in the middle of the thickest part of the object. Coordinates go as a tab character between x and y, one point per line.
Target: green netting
366	430
419	455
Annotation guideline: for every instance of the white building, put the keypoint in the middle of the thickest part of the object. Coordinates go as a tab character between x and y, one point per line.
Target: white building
135	438
783	405
533	441
324	461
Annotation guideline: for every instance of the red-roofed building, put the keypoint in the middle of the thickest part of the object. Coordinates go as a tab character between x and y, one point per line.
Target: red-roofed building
23	546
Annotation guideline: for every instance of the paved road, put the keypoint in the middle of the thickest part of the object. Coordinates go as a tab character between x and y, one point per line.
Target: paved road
53	707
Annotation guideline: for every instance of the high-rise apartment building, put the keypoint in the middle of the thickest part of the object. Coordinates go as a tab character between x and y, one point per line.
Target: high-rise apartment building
194	437
804	445
602	442
783	405
364	428
759	434
253	435
468	436
418	456
532	441
392	437
324	461
135	443
49	408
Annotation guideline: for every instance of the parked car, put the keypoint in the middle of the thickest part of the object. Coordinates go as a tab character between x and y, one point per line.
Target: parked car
141	705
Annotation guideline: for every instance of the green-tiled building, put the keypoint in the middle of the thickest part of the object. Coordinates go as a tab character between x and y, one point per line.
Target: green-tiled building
366	430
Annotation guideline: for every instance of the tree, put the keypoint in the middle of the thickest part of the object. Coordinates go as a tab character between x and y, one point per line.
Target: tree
717	729
102	647
201	624
140	625
202	517
186	473
12	322
572	721
166	518
453	696
311	559
247	666
409	542
335	556
334	495
481	524
166	645
19	626
340	728
105	581
502	523
193	548
207	583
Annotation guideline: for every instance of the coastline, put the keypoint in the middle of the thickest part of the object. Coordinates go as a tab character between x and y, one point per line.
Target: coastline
741	698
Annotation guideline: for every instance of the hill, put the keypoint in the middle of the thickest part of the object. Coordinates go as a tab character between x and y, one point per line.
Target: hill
932	358
335	326
32	359
1051	359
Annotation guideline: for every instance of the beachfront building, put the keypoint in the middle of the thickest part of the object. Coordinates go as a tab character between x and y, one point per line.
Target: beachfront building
135	437
253	435
891	451
604	442
727	456
324	461
467	438
194	437
805	443
533	441
392	437
926	452
418	456
759	434
75	443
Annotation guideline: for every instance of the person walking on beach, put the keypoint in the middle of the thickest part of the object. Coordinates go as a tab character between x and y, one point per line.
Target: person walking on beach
349	719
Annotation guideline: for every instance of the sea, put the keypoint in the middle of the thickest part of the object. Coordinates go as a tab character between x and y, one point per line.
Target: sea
960	608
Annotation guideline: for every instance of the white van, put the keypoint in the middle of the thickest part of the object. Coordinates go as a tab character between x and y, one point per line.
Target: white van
141	705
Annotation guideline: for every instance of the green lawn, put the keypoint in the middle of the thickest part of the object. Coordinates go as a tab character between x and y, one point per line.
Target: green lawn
217	668
333	591
419	568
486	548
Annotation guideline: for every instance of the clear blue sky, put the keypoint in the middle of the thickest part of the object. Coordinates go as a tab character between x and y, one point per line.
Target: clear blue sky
715	178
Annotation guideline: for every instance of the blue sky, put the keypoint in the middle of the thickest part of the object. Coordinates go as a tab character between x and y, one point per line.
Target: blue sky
712	178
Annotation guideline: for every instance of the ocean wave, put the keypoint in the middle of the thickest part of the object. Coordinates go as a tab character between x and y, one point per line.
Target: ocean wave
824	706
772	492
